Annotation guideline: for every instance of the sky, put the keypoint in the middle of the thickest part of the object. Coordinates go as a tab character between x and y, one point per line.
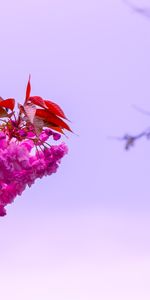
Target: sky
82	233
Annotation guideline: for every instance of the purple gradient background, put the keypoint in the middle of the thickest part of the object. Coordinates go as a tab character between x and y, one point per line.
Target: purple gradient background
84	232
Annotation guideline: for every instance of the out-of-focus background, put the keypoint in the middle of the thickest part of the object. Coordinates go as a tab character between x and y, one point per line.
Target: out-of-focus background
82	233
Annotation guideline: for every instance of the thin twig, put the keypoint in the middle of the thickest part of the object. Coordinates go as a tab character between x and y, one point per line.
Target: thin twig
145	11
141	110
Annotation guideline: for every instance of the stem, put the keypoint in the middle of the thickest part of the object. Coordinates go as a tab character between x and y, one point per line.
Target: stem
130	139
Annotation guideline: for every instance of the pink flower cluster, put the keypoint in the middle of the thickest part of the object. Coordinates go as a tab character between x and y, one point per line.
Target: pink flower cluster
21	164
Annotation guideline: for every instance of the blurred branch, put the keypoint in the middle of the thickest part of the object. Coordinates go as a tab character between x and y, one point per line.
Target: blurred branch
141	110
145	11
131	139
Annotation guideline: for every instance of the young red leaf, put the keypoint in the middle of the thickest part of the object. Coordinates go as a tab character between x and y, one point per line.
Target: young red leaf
55	109
3	113
28	89
37	101
49	105
8	103
51	118
52	126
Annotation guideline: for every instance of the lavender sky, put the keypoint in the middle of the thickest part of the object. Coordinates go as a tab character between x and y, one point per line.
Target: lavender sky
82	233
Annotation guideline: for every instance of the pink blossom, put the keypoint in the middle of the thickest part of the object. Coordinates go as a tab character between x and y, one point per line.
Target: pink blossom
26	153
19	168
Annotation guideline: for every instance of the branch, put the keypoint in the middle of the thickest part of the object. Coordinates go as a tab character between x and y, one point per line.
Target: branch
131	139
145	11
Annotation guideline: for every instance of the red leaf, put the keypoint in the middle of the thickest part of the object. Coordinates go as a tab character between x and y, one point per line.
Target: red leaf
51	118
37	101
55	109
3	113
49	105
52	126
56	129
28	89
8	103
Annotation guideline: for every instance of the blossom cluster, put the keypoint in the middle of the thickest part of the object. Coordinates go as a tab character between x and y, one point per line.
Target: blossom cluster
25	151
20	168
